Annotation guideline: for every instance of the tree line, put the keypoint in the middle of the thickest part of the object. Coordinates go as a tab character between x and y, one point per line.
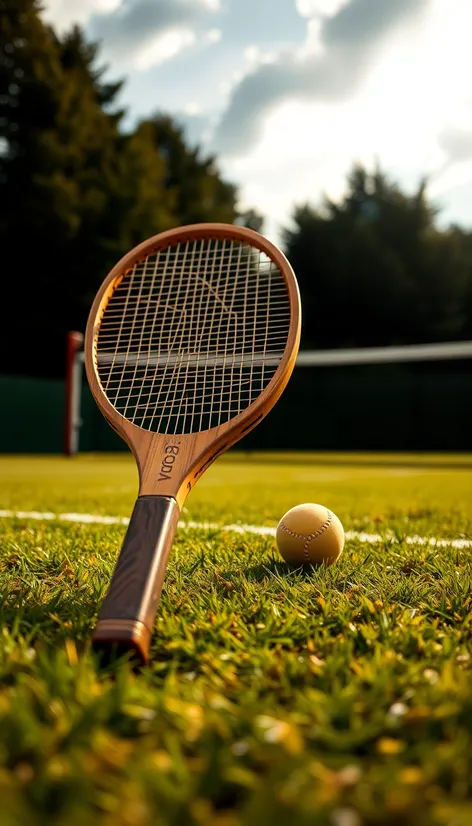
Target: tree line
78	190
376	270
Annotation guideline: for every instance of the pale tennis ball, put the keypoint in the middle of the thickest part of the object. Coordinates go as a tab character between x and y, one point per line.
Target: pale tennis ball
309	535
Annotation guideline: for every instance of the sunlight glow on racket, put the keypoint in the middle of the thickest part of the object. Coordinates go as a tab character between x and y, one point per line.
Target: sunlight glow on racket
190	341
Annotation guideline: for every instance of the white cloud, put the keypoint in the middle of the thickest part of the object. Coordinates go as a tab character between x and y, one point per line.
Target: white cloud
63	13
163	47
454	176
315	8
302	153
140	34
414	90
332	66
213	35
256	56
252	54
192	108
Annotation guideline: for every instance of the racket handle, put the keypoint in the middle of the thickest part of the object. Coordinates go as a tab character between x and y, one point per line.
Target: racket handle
127	616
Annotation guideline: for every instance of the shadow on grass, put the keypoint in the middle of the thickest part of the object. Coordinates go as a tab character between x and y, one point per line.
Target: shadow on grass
271	568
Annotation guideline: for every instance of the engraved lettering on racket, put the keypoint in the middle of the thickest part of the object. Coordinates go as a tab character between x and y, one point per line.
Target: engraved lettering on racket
190	342
170	451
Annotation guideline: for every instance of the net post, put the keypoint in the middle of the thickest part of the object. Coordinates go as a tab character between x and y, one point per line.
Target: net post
72	391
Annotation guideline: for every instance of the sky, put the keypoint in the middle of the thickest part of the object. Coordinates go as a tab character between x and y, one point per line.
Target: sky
289	94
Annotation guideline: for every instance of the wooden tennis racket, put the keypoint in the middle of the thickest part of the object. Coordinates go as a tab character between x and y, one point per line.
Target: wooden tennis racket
190	341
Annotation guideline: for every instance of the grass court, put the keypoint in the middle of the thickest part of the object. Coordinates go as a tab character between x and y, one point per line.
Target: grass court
338	696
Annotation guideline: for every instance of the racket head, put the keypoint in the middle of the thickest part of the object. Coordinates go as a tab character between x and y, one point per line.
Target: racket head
190	341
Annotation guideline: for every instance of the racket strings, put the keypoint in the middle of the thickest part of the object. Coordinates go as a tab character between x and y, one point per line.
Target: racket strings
192	334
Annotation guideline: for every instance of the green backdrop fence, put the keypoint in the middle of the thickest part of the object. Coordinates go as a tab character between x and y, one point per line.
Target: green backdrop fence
31	415
398	407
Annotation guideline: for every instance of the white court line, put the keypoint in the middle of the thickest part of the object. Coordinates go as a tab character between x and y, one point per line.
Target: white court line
260	530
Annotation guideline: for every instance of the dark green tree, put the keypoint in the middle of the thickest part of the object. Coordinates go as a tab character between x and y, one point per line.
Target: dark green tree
199	191
251	219
60	175
375	270
465	240
79	190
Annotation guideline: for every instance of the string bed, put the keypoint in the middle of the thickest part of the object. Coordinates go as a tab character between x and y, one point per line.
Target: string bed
192	334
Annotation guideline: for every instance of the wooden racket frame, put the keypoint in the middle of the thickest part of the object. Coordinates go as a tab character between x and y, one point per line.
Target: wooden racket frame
191	454
197	451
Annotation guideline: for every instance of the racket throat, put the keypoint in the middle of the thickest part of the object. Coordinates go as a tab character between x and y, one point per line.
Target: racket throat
127	616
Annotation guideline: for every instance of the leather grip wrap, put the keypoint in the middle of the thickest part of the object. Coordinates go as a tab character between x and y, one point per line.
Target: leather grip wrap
129	609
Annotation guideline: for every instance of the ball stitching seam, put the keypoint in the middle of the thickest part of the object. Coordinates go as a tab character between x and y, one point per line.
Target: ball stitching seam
309	537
